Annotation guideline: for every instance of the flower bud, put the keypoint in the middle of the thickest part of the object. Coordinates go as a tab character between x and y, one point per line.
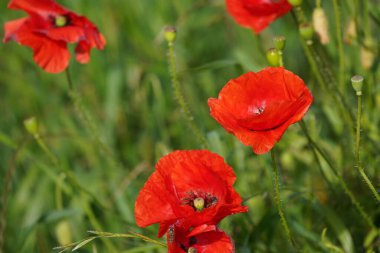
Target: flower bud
321	25
357	84
170	33
63	232
199	204
295	2
31	125
273	57
279	42
367	56
307	32
60	21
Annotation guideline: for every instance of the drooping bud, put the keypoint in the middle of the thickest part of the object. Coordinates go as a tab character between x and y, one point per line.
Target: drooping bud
60	21
273	57
199	204
31	125
295	2
170	34
321	25
192	250
357	84
279	42
350	33
307	32
63	232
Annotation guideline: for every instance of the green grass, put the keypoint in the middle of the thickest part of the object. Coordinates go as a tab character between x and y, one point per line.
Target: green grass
126	90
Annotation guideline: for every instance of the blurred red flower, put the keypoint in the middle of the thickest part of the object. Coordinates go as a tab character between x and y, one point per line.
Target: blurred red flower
202	239
258	107
188	189
257	14
48	29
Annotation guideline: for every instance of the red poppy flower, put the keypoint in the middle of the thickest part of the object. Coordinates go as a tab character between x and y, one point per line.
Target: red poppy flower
258	107
47	31
257	14
188	189
202	239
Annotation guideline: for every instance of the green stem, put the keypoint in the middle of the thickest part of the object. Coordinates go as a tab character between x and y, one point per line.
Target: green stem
338	27
278	199
357	151
88	121
180	99
281	62
340	179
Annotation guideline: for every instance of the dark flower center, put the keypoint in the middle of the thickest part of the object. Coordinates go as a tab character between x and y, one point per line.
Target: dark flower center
189	249
61	20
199	200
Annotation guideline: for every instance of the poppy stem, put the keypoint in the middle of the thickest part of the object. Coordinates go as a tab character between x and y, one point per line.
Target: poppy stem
88	122
358	163
278	200
180	98
339	35
340	179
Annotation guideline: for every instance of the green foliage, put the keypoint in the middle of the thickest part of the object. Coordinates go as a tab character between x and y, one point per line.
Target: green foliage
126	91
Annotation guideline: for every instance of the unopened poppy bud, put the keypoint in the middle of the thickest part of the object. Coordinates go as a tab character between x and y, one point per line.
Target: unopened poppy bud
367	56
279	42
60	21
199	204
63	232
307	32
357	84
170	34
321	25
295	2
31	125
192	250
273	57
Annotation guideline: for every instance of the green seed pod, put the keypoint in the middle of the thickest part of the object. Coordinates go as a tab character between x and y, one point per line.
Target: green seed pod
357	84
295	2
199	204
273	57
60	21
306	31
279	42
31	125
170	34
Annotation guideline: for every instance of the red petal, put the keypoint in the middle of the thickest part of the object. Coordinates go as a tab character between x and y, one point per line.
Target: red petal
256	14
214	241
40	7
11	28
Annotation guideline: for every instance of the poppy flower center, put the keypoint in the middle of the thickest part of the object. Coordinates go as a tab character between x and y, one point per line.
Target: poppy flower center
192	250
199	200
189	249
61	21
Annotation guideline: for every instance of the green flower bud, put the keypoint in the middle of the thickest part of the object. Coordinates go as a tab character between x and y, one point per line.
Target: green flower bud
170	34
307	32
31	125
273	57
63	232
279	42
60	21
295	2
199	204
357	84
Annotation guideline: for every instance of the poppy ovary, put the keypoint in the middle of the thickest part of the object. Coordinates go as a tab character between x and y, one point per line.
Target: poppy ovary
192	250
199	204
61	20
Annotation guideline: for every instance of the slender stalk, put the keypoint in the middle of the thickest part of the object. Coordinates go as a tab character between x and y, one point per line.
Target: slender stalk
338	28
357	152
180	98
341	181
87	120
278	199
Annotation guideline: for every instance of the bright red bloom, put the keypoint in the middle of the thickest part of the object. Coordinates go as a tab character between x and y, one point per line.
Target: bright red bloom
257	14
202	239
258	107
188	189
47	31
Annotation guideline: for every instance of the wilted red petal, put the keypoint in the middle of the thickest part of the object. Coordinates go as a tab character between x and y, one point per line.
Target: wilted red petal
257	14
258	107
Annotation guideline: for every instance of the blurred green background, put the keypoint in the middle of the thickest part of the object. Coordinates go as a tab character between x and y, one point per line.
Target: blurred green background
127	92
